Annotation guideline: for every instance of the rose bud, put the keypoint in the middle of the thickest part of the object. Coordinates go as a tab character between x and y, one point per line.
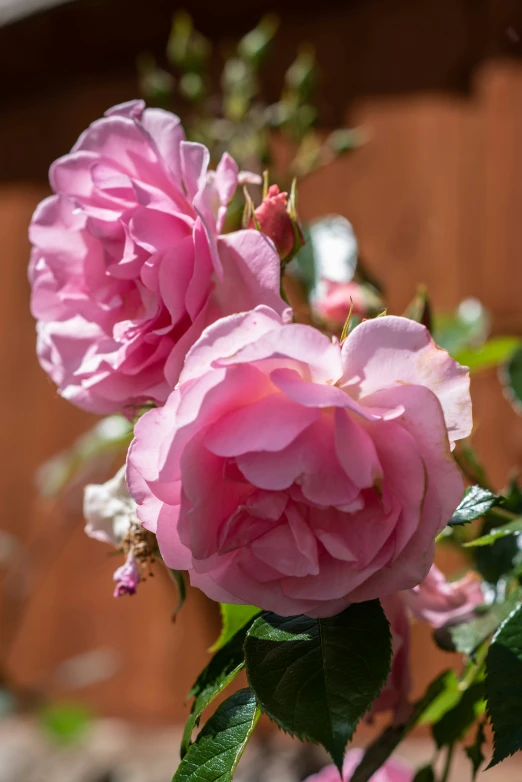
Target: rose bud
333	301
275	217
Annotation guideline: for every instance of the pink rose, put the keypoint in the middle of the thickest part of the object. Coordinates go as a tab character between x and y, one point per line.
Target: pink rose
394	770
440	602
290	473
128	266
273	219
395	693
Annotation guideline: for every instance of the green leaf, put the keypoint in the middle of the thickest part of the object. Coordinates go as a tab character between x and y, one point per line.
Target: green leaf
495	561
419	308
216	752
492	353
378	752
504	687
179	579
104	442
513	496
233	617
317	677
455	723
66	723
218	674
474	752
511	379
303	265
425	774
255	44
467	327
512	528
475	503
447	698
469	636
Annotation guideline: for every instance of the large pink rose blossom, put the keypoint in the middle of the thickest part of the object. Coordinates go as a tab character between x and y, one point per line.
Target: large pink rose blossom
290	473
394	770
443	603
128	266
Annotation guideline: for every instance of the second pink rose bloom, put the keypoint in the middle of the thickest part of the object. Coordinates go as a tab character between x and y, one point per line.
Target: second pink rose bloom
129	265
292	473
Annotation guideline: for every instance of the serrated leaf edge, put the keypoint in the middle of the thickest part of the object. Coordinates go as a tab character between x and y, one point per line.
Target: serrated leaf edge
492	763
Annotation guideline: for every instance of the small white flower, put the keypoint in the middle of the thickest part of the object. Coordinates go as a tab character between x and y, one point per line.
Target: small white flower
109	510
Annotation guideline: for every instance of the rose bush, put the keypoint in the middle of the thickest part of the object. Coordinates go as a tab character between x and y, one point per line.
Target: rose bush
394	770
128	266
299	476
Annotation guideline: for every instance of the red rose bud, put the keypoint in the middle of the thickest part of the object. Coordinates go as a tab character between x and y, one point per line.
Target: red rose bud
275	218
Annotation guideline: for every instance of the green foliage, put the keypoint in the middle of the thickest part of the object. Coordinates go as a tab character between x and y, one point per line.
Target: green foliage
474	752
254	46
107	440
419	308
425	774
218	748
513	497
470	464
66	723
8	702
511	378
492	353
155	82
455	723
494	562
469	636
468	327
233	618
303	265
221	670
504	687
179	579
235	118
300	78
317	677
511	528
186	47
475	503
378	752
448	696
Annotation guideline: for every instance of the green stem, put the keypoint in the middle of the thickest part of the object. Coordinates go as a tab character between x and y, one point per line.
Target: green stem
503	515
475	667
447	765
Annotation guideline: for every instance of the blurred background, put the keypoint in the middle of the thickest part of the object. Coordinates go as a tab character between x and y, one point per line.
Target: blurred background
429	173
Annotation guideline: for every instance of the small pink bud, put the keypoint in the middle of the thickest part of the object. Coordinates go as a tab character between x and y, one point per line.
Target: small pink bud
333	301
127	577
336	299
273	219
